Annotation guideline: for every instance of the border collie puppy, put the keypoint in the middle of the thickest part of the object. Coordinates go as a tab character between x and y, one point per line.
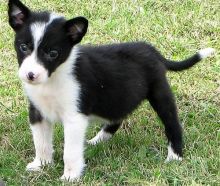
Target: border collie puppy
69	83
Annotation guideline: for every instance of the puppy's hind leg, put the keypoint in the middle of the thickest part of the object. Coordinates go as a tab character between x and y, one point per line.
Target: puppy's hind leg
162	101
105	133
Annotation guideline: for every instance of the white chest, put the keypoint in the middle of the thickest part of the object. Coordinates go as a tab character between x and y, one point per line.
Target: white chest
55	99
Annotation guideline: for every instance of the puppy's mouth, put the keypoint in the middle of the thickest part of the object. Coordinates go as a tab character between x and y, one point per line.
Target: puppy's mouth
32	82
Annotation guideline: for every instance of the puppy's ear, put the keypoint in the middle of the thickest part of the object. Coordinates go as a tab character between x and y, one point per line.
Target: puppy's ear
18	13
76	28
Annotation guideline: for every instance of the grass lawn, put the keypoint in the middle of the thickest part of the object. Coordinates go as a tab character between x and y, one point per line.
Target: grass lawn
136	154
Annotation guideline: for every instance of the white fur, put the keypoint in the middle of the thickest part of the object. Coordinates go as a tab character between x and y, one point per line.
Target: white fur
42	135
204	53
38	29
31	64
54	98
74	133
101	136
172	155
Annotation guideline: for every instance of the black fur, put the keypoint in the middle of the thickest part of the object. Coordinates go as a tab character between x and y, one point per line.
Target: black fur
183	65
34	114
17	20
115	79
76	28
112	127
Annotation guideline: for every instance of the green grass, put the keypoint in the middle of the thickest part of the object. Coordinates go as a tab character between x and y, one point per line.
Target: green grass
136	154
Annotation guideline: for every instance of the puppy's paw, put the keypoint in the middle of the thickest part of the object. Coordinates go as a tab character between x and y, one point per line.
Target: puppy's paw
172	155
70	176
101	136
73	171
34	166
37	164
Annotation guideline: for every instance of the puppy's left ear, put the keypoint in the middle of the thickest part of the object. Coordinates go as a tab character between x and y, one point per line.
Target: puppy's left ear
76	28
18	13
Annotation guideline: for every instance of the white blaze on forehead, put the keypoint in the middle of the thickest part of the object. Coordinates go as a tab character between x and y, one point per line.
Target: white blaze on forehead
38	29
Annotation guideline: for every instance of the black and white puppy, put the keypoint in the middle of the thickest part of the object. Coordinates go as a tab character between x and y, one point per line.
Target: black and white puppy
69	83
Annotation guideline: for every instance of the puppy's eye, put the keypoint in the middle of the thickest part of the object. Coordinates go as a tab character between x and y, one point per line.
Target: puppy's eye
24	48
53	54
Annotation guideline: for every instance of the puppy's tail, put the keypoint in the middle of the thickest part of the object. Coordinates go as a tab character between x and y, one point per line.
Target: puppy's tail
187	63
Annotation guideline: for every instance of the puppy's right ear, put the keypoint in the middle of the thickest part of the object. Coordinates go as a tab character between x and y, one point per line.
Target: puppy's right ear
18	13
76	28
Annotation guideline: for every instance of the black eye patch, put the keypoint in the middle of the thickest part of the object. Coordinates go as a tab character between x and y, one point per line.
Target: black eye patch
51	55
25	49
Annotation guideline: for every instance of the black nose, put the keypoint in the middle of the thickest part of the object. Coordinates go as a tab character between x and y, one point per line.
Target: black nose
30	76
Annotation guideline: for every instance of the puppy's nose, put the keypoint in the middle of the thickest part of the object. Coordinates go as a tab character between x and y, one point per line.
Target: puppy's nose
31	76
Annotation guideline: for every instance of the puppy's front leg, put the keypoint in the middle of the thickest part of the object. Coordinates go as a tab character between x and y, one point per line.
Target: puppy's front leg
42	132
74	135
42	136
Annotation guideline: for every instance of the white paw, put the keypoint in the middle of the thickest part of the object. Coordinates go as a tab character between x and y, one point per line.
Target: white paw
171	158
101	136
34	166
93	141
172	155
73	170
206	52
71	176
37	165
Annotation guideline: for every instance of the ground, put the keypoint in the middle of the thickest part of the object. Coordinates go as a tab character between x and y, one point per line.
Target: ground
136	154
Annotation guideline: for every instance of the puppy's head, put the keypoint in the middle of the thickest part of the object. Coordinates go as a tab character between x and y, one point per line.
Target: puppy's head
43	40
